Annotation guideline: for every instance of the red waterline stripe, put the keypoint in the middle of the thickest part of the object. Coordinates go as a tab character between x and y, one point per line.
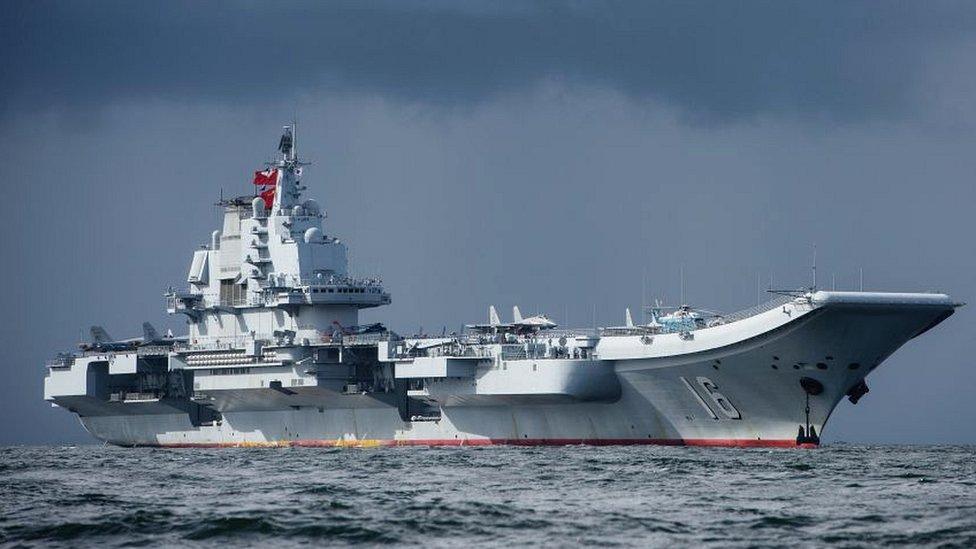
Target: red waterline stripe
316	443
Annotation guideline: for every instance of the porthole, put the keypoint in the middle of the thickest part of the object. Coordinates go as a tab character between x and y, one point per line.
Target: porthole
821	366
853	366
773	366
796	366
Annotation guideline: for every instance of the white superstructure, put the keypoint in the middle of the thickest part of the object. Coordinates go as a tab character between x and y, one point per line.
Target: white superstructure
275	355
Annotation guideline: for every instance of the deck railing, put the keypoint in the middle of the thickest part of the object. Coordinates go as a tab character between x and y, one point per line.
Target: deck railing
774	303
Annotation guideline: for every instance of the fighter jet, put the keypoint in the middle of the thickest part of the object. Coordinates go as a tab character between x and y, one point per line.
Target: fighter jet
519	325
494	323
151	337
102	342
359	330
532	323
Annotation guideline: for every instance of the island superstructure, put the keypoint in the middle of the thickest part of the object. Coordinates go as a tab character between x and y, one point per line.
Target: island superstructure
275	355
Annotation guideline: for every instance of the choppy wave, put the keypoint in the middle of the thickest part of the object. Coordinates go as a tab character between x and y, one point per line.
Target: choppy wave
628	496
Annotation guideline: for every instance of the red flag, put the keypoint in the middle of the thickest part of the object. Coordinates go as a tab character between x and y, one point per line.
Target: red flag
268	196
267	177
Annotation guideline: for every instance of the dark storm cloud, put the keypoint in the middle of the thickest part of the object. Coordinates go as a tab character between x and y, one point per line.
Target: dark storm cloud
713	61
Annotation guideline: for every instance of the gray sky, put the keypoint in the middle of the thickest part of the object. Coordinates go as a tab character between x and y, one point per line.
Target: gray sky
541	154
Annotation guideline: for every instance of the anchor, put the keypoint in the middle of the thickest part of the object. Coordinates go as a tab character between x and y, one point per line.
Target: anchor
808	435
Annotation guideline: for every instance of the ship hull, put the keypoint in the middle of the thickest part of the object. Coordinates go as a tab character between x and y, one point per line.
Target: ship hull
282	430
744	394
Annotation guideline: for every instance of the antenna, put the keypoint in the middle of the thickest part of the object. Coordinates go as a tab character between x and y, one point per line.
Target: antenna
643	294
814	287
681	275
860	279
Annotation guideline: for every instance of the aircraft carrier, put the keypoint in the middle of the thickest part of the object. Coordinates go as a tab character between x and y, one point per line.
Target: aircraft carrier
275	355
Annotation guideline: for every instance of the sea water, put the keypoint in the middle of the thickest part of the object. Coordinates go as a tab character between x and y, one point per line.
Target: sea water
838	495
